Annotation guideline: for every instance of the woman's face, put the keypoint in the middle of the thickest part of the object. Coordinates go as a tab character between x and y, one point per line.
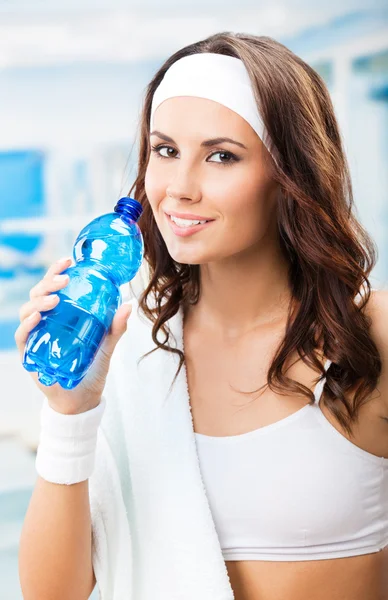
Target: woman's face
222	181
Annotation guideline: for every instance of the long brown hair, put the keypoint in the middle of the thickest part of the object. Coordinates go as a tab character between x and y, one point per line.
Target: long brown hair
330	255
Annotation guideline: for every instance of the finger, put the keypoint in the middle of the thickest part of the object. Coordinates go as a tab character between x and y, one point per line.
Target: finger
119	323
57	267
42	303
118	327
47	286
23	331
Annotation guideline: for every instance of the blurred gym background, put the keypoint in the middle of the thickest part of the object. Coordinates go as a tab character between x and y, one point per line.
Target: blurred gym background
72	78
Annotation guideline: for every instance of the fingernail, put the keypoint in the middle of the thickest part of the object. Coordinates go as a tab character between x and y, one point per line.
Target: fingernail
32	317
50	299
60	278
64	260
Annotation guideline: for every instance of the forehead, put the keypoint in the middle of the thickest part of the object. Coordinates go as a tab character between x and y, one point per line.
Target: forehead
188	114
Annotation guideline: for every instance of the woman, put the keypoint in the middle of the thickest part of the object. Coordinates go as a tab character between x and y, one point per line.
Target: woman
264	475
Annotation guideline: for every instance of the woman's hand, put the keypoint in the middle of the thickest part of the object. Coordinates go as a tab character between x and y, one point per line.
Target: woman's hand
87	394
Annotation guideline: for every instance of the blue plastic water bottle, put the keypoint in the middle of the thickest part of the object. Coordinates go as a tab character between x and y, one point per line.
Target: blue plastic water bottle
108	253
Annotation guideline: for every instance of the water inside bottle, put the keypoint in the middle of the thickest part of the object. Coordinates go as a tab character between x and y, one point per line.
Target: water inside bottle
65	350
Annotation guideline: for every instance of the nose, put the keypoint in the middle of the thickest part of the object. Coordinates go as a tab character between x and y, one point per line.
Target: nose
184	184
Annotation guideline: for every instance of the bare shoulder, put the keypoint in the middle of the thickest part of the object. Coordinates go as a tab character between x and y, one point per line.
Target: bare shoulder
377	310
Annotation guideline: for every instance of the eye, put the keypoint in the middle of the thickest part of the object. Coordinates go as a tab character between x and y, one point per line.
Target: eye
229	156
156	150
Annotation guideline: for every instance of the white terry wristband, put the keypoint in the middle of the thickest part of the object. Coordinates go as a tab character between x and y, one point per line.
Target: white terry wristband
67	445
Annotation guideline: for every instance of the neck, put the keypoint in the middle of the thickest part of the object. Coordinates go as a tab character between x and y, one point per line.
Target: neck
243	292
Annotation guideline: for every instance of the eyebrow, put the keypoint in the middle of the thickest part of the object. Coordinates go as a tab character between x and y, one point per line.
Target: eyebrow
205	143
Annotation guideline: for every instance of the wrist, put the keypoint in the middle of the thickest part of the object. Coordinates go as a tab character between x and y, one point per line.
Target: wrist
67	445
70	410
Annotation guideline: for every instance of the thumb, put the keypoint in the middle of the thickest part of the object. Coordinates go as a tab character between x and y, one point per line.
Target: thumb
119	323
117	328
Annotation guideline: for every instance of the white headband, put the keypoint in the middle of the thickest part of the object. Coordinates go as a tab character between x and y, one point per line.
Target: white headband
217	77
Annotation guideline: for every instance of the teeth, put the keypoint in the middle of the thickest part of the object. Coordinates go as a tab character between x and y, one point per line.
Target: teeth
185	222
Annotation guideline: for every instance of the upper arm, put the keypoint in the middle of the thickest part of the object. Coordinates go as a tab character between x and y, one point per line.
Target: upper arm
377	310
92	583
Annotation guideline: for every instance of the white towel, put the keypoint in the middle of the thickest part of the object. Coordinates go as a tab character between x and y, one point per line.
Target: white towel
153	533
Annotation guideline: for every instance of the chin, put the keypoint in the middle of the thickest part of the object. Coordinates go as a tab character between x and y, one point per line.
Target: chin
187	258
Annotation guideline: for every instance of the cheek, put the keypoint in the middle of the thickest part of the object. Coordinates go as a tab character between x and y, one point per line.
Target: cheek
250	207
151	187
155	187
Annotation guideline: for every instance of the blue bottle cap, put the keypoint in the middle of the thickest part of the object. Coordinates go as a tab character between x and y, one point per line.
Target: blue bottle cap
129	207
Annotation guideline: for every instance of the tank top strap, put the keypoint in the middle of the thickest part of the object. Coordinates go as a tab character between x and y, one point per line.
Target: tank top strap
321	384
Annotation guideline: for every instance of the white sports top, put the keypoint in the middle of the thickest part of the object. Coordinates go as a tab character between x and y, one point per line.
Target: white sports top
296	489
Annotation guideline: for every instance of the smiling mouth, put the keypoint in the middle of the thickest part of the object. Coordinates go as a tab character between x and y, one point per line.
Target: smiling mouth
185	230
200	221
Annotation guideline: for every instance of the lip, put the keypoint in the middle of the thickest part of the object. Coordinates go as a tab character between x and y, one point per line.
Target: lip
184	232
188	216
